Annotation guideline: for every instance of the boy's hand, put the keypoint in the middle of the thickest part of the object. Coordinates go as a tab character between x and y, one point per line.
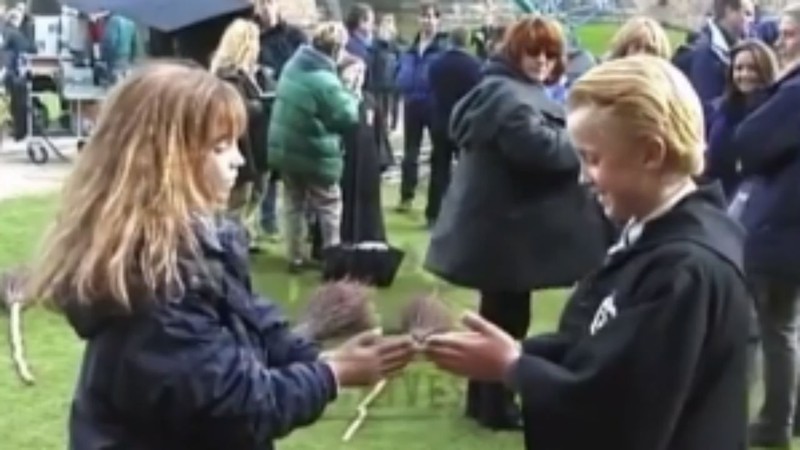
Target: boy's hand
368	358
484	353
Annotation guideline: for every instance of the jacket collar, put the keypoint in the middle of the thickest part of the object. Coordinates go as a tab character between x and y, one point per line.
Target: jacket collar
718	41
697	216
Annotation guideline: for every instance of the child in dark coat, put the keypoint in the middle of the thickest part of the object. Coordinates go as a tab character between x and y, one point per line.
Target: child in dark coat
180	352
651	351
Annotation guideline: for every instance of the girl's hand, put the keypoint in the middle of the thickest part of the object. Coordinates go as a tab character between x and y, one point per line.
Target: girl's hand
368	358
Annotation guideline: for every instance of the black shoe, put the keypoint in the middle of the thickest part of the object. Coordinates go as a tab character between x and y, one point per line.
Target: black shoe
511	421
296	267
404	207
761	438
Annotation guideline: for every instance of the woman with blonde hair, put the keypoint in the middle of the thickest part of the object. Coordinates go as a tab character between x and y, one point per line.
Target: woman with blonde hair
180	352
236	61
651	351
640	35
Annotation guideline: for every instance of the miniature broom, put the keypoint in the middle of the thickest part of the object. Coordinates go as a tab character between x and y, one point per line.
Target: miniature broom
12	293
424	316
421	318
337	310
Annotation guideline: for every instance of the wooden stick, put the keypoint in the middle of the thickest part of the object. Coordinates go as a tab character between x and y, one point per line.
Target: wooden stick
363	410
17	346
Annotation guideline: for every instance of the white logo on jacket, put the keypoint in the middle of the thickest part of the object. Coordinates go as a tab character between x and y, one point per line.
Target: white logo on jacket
605	313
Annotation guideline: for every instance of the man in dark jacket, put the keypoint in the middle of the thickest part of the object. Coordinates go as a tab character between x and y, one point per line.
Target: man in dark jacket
452	75
360	25
279	41
710	56
414	86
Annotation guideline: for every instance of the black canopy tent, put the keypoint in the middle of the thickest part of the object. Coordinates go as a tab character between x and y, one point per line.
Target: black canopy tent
191	30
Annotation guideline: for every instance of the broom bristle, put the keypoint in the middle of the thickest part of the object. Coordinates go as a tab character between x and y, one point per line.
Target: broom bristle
337	310
13	283
426	315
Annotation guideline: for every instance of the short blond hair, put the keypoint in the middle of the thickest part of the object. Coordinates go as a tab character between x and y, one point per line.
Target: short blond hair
654	100
238	47
329	37
642	35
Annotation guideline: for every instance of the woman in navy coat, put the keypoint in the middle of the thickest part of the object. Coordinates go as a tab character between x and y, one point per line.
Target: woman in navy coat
753	68
767	144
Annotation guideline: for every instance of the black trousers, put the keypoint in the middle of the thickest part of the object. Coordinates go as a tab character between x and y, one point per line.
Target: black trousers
445	151
492	404
416	119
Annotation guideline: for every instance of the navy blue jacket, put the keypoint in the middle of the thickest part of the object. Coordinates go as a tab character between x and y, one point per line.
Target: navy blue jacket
383	66
412	74
452	75
768	143
359	46
278	44
721	158
709	66
214	368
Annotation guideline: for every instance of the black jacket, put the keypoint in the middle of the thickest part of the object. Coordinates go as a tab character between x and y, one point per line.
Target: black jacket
515	217
253	144
367	151
216	368
278	44
651	349
452	75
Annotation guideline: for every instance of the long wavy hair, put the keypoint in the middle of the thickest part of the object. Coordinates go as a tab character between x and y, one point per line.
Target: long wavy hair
238	47
128	209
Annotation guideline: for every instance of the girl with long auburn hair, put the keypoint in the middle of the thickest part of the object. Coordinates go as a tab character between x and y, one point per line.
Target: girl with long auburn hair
180	352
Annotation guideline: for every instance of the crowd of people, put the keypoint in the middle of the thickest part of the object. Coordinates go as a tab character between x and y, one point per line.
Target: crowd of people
656	186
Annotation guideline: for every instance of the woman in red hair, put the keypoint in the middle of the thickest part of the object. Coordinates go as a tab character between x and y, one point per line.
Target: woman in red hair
515	218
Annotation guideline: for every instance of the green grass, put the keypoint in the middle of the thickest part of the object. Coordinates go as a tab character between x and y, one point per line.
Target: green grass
596	37
421	410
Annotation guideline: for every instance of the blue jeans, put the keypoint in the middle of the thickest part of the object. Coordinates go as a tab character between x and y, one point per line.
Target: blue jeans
269	205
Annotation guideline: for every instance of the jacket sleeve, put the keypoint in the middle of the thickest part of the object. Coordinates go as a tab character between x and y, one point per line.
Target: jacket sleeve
551	347
654	345
215	380
768	136
339	106
703	75
718	150
283	346
531	141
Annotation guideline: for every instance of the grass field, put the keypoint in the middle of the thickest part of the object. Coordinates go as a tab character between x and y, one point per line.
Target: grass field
421	410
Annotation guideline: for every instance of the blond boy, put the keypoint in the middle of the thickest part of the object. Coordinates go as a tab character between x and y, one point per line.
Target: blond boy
651	352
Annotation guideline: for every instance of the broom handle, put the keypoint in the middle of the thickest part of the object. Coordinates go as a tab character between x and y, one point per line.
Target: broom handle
363	410
17	345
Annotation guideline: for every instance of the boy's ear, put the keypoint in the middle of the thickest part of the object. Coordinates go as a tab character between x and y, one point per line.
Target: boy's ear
654	153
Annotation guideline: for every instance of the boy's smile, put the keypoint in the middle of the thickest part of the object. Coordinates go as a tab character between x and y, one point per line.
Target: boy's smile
625	176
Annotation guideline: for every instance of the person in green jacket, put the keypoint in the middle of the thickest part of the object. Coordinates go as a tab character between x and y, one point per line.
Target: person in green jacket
313	108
